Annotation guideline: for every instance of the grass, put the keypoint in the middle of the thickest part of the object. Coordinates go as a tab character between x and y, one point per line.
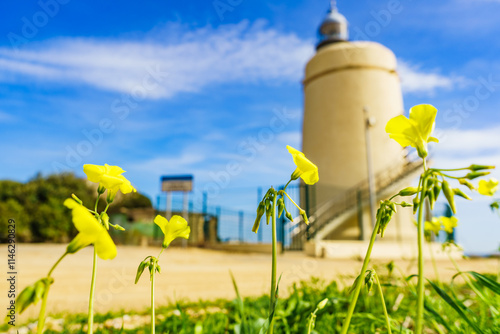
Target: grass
464	308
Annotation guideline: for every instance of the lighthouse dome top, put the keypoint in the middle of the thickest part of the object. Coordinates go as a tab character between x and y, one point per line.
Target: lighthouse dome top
333	28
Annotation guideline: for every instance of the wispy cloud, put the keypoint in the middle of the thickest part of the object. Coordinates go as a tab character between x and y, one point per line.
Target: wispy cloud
461	148
471	141
416	80
242	52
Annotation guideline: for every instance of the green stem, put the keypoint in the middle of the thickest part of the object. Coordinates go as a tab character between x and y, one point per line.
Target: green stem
274	260
382	300
293	202
433	259
55	264
359	280
158	257
96	202
153	297
451	176
311	322
450	169
90	321
41	316
421	280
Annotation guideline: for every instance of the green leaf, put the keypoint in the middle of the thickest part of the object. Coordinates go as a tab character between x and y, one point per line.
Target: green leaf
457	306
436	315
485	281
241	307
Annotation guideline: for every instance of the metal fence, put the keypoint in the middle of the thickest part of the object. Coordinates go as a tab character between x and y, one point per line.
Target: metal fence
235	225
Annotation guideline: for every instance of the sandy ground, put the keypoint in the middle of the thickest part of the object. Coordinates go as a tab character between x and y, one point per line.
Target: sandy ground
187	274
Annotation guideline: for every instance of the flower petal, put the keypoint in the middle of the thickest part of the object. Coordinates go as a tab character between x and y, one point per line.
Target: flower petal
161	222
309	171
126	186
111	182
449	223
84	221
91	232
310	177
488	188
424	116
94	172
104	246
402	130
113	170
177	227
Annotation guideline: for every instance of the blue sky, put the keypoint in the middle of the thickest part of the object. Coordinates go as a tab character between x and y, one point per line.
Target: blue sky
170	87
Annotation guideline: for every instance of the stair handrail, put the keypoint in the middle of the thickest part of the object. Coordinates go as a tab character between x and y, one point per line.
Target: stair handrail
349	198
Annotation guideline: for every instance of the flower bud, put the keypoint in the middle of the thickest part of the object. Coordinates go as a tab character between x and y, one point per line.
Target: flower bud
261	209
474	167
25	298
436	190
405	204
140	269
408	191
79	201
105	220
449	194
390	267
461	194
369	279
467	184
117	227
101	190
473	175
432	199
269	209
281	206
289	216
416	203
304	217
296	174
322	304
392	206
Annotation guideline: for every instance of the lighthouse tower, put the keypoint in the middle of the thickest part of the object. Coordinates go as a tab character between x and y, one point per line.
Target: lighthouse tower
351	90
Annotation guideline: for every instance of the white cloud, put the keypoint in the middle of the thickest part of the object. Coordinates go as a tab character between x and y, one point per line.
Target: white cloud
415	80
232	53
461	148
470	141
170	164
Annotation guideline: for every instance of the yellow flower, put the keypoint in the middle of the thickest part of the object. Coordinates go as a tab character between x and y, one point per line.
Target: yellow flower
91	232
488	188
449	223
433	226
110	178
415	131
177	227
305	168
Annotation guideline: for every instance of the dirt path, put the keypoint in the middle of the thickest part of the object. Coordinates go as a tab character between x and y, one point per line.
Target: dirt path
187	274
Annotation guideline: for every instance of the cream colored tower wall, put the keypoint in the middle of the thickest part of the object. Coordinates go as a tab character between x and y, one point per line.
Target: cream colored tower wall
340	80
